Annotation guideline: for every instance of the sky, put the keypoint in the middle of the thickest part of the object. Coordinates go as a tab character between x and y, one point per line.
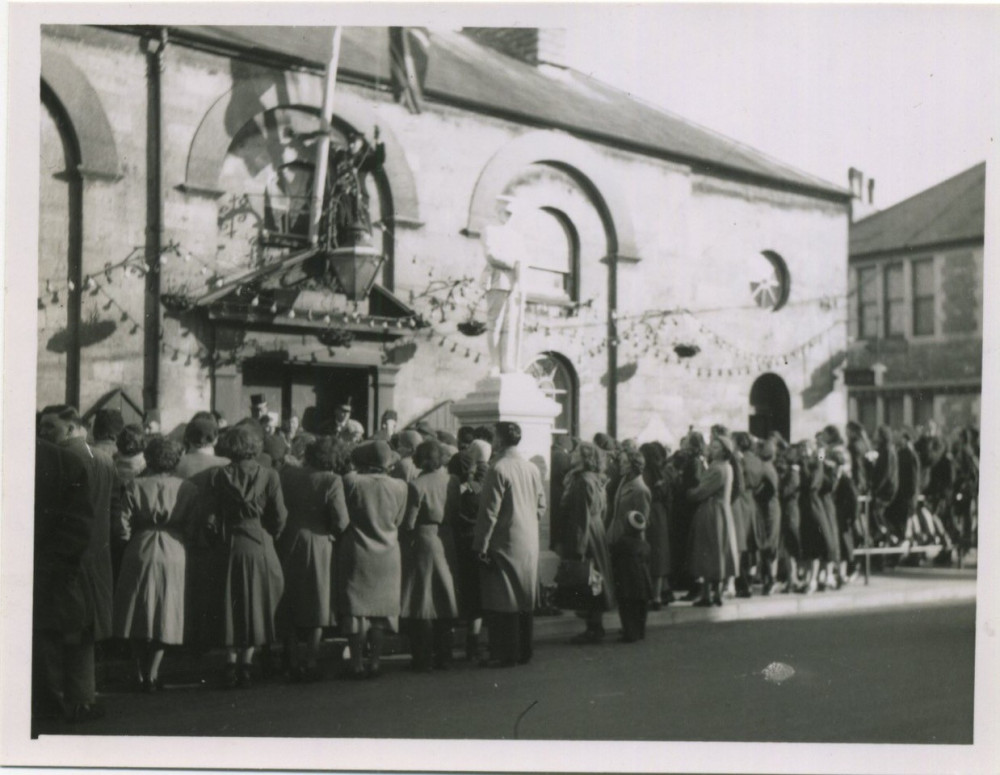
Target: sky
909	95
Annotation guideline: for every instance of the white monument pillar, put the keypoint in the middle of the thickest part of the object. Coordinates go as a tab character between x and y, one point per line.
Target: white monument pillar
515	397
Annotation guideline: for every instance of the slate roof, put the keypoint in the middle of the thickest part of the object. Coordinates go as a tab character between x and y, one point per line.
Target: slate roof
951	211
465	73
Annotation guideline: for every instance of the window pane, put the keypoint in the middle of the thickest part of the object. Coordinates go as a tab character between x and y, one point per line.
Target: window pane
923	317
867	285
866	413
894	411
895	319
923	408
869	320
894	282
546	283
923	277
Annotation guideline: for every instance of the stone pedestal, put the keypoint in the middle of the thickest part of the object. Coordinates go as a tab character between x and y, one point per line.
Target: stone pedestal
517	398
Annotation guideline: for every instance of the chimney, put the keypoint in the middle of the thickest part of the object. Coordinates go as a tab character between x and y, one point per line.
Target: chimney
533	45
862	200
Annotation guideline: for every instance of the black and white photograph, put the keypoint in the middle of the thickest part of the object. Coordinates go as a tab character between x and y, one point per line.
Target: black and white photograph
558	388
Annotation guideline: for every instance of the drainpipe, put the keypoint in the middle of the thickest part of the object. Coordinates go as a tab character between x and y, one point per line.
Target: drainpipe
613	345
155	50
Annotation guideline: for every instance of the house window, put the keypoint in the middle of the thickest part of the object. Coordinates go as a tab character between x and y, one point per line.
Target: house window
552	247
923	297
867	302
923	407
894	300
868	413
555	377
894	411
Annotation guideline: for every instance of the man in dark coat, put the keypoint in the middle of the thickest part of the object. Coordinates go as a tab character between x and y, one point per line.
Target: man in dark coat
559	468
67	529
905	502
506	540
885	479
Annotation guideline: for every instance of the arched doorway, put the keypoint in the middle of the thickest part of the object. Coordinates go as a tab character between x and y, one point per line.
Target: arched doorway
59	256
771	407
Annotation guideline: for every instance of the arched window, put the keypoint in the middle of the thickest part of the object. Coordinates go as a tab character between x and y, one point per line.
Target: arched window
553	247
555	377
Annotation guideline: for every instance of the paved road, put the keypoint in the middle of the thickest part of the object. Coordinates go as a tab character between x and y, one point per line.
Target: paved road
892	676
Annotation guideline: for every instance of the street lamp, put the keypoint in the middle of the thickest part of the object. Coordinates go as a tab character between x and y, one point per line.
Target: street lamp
355	267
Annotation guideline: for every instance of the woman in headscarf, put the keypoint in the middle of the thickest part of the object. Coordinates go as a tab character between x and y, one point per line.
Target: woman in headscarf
583	508
158	511
632	493
247	512
692	466
407	443
371	572
314	496
713	558
659	479
469	469
428	602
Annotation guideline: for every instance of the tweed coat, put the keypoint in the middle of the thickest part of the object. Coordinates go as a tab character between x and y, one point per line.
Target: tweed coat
582	531
712	555
513	502
307	547
427	541
370	565
64	520
96	562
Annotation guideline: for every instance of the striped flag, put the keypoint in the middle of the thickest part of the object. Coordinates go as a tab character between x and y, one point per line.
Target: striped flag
408	48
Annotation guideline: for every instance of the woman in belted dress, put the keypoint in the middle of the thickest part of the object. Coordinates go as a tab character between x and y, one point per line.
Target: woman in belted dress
314	497
713	555
428	602
157	512
247	512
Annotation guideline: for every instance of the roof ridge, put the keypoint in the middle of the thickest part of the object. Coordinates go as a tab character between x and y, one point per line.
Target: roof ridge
894	208
952	203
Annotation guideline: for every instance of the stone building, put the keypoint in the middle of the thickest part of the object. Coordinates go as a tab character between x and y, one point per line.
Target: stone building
676	276
916	272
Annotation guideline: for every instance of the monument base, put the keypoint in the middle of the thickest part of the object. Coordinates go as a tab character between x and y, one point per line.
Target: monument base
517	398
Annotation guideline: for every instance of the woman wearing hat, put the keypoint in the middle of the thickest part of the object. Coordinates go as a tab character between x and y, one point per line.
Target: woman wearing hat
583	536
371	572
246	512
713	557
428	552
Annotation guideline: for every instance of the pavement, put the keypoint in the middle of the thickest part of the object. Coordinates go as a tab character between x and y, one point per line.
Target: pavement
902	586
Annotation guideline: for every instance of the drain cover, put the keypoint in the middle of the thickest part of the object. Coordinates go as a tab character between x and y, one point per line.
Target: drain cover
778	672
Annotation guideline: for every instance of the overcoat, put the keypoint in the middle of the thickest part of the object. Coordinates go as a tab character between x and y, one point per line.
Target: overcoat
845	499
791	522
96	562
710	558
767	526
691	469
632	495
306	548
64	520
247	509
158	512
630	557
660	515
371	574
753	473
427	541
815	526
470	602
582	532
513	502
742	504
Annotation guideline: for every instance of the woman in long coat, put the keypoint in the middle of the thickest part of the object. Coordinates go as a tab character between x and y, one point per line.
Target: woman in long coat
659	479
314	496
582	536
768	524
712	556
157	513
691	466
790	483
246	512
469	468
429	560
632	493
816	533
371	572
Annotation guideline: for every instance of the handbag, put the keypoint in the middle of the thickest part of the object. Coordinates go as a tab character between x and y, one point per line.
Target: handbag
573	584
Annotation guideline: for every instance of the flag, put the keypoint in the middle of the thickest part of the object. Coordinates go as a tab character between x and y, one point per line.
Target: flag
408	47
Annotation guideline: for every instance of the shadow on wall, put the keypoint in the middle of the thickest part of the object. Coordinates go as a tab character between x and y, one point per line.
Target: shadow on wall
625	373
92	331
823	380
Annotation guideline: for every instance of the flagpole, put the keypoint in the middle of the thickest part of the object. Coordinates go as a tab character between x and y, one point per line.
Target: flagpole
323	149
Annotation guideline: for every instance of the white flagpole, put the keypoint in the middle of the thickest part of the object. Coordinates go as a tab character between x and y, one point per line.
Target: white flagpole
323	149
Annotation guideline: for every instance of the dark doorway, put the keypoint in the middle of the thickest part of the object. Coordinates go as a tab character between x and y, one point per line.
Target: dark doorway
771	407
312	392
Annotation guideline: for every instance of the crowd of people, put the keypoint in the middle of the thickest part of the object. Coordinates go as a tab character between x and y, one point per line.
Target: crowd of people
264	536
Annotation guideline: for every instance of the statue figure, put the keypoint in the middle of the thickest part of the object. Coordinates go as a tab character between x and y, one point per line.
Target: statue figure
349	166
504	295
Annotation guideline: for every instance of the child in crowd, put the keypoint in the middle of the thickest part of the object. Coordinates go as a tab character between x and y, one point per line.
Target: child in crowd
630	556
